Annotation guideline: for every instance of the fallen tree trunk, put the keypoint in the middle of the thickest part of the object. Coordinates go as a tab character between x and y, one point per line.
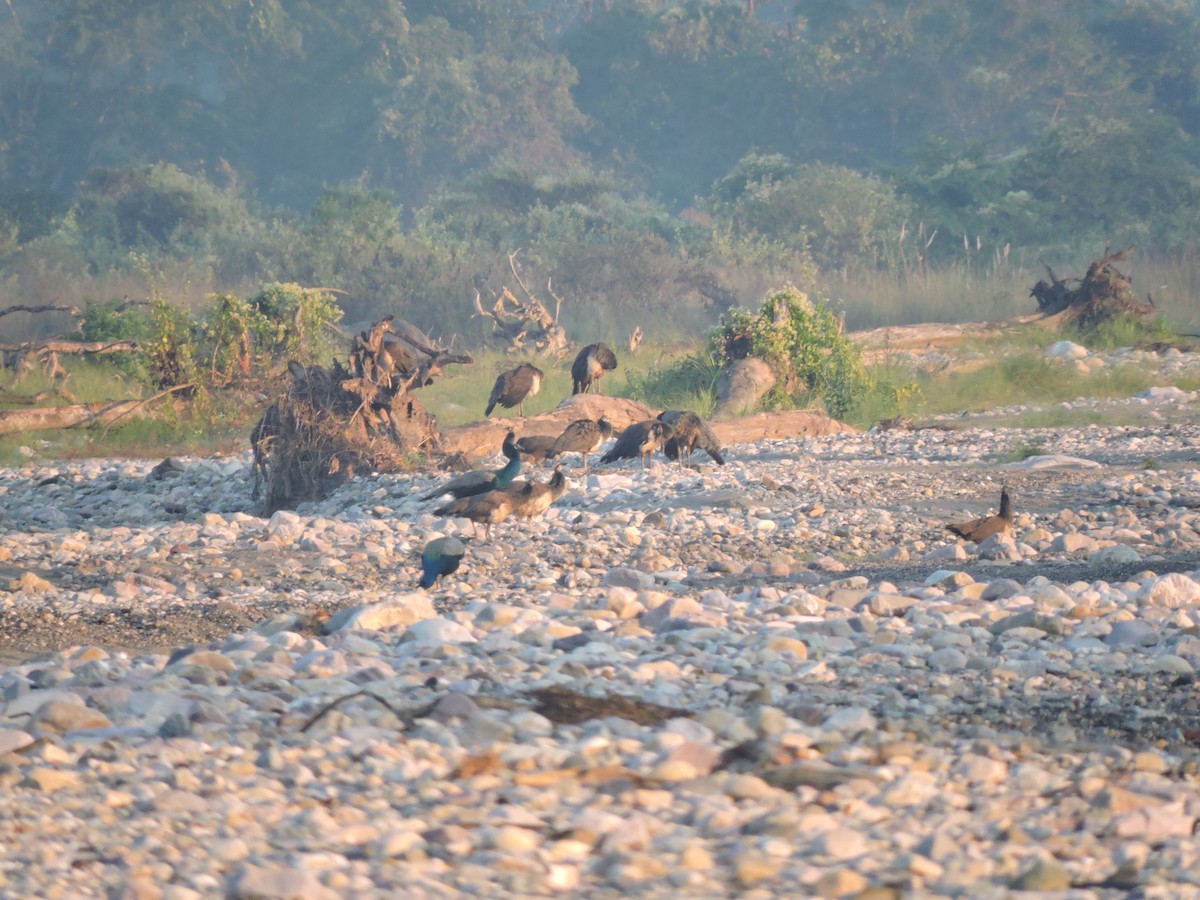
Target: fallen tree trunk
58	346
50	418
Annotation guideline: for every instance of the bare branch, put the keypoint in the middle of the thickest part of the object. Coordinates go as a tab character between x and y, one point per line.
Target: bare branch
58	346
141	404
20	307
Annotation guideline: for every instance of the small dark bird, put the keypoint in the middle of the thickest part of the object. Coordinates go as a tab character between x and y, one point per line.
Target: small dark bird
981	529
535	447
488	508
582	436
514	387
535	498
640	439
589	367
440	557
481	480
690	432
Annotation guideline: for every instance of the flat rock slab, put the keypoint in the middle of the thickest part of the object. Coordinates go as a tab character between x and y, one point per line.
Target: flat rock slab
778	425
484	438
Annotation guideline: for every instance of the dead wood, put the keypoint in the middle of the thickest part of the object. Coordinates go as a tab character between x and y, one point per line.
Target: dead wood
60	346
1103	293
524	325
20	307
58	417
330	423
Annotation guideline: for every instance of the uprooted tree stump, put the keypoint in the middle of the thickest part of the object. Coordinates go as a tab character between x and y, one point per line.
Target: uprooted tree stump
524	326
1102	294
330	423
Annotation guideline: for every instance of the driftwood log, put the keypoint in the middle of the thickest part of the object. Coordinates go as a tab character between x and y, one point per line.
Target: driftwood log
332	422
82	415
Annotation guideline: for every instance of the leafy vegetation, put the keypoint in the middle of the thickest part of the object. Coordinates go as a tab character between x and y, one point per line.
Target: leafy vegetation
658	161
802	342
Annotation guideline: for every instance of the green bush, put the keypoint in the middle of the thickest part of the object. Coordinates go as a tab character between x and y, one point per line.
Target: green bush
802	343
259	335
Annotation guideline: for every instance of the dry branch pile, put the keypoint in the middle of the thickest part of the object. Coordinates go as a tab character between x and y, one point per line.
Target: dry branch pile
330	423
522	326
1103	293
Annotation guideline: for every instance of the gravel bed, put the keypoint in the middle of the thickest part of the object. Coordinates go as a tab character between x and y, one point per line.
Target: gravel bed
777	677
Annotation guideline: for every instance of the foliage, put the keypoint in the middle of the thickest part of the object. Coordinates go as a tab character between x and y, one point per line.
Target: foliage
171	349
1123	330
839	216
717	146
115	320
802	342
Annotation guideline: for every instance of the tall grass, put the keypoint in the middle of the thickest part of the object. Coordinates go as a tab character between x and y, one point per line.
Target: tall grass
980	288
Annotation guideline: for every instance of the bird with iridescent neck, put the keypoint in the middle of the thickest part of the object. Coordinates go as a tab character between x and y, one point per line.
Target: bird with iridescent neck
440	557
482	480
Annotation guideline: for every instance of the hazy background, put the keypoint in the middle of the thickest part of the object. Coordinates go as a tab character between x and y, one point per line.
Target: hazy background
653	163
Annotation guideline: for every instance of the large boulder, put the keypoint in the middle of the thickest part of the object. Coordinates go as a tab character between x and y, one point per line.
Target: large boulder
742	385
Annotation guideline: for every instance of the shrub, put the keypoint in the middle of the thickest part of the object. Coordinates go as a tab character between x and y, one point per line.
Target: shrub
802	343
259	335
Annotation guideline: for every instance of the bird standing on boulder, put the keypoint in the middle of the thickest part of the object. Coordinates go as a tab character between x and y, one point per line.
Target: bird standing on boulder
589	367
514	387
979	530
481	480
690	432
640	439
582	436
440	557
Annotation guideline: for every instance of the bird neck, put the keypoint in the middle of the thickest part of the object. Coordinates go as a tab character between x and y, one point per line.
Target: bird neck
510	470
1005	506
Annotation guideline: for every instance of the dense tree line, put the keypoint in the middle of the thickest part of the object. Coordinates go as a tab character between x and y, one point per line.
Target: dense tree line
644	153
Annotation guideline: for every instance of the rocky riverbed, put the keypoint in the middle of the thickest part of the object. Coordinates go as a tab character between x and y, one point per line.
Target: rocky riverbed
780	676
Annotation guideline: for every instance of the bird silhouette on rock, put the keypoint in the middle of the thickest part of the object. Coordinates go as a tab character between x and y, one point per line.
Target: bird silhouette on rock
514	387
482	480
640	439
589	367
979	530
441	556
583	436
690	433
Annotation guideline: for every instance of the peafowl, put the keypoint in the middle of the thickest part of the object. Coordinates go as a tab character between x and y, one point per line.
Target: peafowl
441	556
589	367
981	529
582	436
514	387
481	480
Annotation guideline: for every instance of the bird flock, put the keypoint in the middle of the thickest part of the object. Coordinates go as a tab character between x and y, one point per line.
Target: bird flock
487	497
